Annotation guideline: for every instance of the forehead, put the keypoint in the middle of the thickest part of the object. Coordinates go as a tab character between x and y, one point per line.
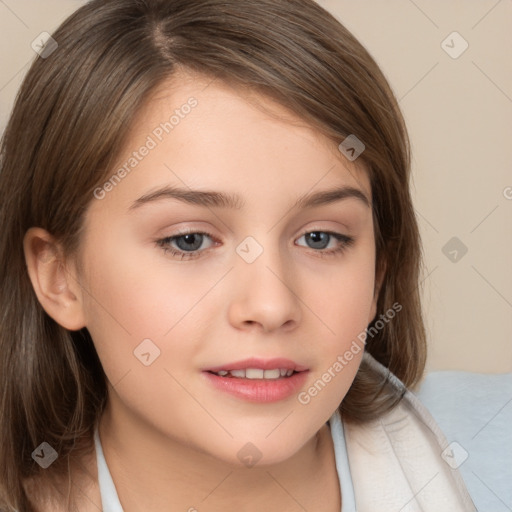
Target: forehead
199	132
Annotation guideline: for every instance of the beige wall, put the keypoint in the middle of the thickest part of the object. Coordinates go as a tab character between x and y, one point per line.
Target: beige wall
459	113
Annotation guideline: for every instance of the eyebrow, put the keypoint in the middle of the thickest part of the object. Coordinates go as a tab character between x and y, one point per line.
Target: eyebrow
208	198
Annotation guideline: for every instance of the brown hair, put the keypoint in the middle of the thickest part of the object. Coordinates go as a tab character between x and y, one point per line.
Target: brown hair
70	121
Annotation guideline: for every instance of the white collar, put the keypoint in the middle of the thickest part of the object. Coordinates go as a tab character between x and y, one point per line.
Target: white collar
109	498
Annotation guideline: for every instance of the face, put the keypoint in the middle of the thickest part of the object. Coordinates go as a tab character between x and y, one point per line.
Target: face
181	284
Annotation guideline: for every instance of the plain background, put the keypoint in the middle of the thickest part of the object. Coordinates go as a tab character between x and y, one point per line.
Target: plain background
458	109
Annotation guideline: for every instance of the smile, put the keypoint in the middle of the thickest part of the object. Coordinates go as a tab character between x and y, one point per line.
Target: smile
256	373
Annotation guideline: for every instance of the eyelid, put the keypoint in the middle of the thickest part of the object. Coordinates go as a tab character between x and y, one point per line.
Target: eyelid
163	243
345	241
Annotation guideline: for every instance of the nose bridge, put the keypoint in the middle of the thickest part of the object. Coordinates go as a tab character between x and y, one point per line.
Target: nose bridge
264	292
262	261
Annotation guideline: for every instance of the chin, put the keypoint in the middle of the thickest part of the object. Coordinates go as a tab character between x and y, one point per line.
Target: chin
261	451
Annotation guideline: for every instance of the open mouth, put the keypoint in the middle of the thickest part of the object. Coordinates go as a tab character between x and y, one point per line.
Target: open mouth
258	380
256	373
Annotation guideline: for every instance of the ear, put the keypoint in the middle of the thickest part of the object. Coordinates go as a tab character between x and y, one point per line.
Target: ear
56	287
379	279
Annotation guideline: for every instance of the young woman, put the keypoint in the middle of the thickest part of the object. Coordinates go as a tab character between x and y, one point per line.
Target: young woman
209	270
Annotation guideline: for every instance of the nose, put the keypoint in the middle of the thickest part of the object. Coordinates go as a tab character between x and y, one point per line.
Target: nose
262	296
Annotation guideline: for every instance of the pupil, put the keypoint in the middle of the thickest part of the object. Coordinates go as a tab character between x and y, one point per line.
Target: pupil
189	242
318	237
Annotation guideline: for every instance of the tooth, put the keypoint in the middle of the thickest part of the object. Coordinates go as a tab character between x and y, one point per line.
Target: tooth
282	372
222	373
238	373
289	372
254	373
271	374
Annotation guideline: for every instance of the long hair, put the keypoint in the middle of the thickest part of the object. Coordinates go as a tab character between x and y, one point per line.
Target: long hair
69	123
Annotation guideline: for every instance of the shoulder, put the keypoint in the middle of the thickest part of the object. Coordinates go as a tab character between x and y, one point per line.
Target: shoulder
403	449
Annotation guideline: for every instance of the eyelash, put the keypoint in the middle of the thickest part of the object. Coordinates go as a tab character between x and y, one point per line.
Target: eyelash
163	243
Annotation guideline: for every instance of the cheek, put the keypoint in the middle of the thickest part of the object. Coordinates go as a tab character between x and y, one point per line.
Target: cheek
343	302
343	294
344	312
134	295
131	286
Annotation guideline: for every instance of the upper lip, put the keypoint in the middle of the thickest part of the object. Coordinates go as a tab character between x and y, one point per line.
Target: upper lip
263	364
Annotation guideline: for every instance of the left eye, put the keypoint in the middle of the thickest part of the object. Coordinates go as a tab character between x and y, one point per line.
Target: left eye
186	243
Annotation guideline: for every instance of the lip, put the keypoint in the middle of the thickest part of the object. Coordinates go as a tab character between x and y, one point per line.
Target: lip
264	364
258	390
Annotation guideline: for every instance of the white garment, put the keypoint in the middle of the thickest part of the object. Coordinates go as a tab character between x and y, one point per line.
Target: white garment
402	462
110	500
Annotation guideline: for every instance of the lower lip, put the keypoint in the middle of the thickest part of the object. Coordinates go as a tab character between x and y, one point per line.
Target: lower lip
259	390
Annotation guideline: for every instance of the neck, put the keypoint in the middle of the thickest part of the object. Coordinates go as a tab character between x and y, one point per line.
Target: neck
154	472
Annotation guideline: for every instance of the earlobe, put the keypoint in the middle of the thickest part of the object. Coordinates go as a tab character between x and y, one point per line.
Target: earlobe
57	290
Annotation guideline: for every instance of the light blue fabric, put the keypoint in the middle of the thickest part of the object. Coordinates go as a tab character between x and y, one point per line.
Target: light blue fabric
475	411
110	500
348	500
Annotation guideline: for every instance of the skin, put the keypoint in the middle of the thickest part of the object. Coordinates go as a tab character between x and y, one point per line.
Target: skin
170	439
